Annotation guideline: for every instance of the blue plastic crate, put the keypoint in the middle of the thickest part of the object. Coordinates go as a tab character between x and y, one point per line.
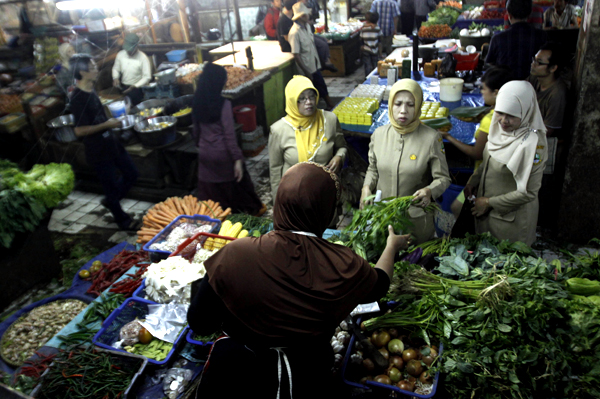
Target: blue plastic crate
176	55
190	338
109	333
372	384
140	292
157	255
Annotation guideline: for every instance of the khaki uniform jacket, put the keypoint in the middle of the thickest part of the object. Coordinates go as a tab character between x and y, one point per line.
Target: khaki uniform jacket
514	214
283	153
400	164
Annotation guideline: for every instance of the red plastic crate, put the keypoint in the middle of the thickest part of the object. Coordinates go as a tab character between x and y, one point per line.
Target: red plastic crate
187	249
466	62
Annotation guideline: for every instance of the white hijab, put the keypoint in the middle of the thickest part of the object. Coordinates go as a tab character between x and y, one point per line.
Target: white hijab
516	149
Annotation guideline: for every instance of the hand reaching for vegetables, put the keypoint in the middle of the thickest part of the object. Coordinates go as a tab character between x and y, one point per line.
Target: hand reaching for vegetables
238	170
335	165
481	207
422	197
397	242
366	192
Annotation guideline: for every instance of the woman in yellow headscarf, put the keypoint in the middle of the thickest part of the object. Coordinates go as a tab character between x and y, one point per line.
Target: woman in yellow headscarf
304	134
407	158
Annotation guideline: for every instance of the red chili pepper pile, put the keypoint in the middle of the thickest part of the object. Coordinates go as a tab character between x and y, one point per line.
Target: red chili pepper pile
114	269
127	286
35	368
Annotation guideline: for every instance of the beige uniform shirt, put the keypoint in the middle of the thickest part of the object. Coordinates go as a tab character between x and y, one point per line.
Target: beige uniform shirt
400	164
514	214
132	71
283	153
302	42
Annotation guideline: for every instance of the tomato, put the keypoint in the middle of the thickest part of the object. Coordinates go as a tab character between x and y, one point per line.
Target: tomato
144	336
84	274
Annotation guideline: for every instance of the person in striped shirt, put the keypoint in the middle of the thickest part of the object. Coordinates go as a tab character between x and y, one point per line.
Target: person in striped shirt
389	12
372	47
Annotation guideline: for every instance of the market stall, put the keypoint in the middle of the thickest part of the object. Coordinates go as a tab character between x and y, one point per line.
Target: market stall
266	57
344	45
458	305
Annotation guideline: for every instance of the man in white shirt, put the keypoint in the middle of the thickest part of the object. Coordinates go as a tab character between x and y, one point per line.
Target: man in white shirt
131	69
302	42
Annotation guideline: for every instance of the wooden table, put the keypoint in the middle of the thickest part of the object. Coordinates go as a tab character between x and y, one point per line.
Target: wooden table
267	55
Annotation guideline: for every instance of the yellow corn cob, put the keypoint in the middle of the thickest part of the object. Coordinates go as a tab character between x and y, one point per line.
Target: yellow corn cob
225	228
235	230
243	233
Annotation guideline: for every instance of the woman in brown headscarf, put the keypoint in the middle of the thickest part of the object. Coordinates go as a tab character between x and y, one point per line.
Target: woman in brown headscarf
278	298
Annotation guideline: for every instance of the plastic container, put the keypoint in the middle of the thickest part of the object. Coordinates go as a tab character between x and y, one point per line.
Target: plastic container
109	332
451	89
187	249
117	109
126	360
466	62
201	349
155	254
176	55
141	292
246	115
449	196
12	123
380	387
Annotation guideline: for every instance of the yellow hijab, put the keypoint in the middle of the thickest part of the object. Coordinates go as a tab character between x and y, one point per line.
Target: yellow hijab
414	88
308	129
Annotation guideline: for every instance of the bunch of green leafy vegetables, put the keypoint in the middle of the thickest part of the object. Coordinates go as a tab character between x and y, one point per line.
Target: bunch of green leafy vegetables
442	15
49	184
256	226
19	213
534	343
369	227
472	242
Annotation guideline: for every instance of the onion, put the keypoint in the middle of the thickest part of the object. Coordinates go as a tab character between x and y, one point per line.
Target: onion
394	374
385	353
368	364
381	339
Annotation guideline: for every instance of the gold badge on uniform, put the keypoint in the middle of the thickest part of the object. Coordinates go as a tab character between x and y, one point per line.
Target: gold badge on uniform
540	147
413	157
536	159
324	138
440	139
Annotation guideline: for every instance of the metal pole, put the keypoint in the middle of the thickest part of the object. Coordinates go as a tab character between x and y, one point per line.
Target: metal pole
230	31
325	15
238	22
149	12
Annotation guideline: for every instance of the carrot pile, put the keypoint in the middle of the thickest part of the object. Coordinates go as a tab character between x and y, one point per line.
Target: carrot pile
450	3
163	213
435	31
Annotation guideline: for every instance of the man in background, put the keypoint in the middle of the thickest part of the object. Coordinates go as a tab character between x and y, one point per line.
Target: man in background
303	47
516	46
388	12
131	69
550	90
271	20
284	25
103	152
371	48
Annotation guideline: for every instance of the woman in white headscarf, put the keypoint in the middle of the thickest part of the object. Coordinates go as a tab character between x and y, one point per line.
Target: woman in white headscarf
508	182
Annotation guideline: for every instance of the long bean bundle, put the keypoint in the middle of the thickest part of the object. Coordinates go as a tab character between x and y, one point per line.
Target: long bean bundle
369	226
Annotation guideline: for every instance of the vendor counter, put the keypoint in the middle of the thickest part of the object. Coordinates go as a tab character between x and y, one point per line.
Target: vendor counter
344	54
266	56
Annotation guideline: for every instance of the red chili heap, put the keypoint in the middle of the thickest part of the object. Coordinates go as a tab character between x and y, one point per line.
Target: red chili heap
114	269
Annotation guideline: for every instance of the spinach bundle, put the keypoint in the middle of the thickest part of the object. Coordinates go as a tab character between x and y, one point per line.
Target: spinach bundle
369	228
